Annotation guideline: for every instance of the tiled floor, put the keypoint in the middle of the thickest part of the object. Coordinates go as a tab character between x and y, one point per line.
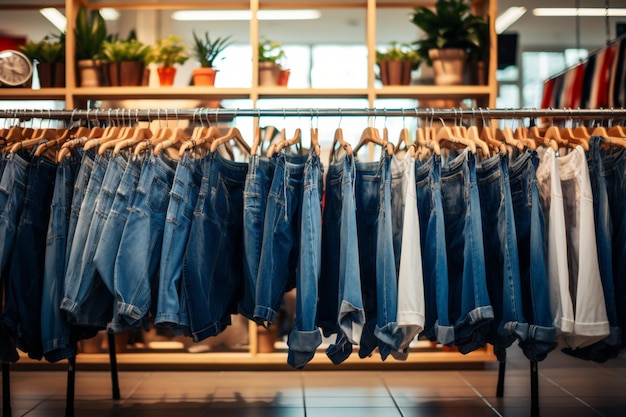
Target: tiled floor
568	387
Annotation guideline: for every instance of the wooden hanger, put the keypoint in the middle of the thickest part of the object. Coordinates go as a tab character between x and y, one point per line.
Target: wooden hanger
284	143
618	131
573	139
110	142
233	133
46	134
445	135
64	134
139	134
315	144
371	135
551	137
612	140
404	143
178	136
107	134
338	139
204	137
507	136
521	134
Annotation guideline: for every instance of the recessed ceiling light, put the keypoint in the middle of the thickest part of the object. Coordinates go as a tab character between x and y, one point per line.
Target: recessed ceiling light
202	15
581	11
55	17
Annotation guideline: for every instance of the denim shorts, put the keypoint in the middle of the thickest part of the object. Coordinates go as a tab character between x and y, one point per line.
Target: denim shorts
172	302
22	310
500	242
55	329
530	233
138	257
257	188
469	303
212	265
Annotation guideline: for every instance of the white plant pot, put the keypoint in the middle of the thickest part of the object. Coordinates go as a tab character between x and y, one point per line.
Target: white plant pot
448	65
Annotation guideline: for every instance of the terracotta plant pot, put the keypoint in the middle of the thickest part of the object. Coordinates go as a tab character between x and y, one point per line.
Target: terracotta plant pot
131	73
268	74
44	70
166	75
113	69
395	72
145	78
448	65
204	77
89	71
58	71
283	77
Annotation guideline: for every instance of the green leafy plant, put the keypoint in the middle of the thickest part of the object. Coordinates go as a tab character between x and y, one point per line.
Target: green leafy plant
46	50
270	51
129	50
90	32
399	52
169	51
450	25
206	50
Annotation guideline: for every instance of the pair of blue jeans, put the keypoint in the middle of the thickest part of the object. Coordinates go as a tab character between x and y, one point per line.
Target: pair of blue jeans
437	324
530	232
349	314
257	188
55	329
502	265
83	306
281	238
108	245
379	284
469	304
172	310
305	336
22	313
212	265
138	257
600	163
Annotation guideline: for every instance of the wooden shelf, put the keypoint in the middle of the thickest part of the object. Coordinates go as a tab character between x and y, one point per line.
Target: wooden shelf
30	94
434	91
284	92
123	93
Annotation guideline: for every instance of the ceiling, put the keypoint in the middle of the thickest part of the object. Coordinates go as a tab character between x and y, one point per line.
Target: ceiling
344	25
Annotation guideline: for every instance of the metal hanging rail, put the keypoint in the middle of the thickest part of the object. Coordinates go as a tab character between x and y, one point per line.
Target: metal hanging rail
213	114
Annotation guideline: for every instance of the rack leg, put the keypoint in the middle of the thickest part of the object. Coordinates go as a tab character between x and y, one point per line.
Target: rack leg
6	390
115	385
534	389
71	383
500	386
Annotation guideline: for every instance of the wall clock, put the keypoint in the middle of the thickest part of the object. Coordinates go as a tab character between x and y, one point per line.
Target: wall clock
15	68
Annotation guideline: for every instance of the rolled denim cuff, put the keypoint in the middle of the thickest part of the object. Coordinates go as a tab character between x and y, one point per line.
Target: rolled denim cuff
340	350
541	340
444	334
302	346
58	349
390	334
264	316
517	329
351	321
400	355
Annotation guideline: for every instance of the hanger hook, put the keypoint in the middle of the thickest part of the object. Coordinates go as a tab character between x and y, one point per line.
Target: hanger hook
340	117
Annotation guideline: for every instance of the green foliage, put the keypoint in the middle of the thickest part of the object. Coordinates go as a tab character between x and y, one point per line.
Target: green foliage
451	25
270	51
46	50
169	51
207	51
129	50
399	52
90	32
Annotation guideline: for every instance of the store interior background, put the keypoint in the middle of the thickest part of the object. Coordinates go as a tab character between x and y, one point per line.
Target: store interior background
546	46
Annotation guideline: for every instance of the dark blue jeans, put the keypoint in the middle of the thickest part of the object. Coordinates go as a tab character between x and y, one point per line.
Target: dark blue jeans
437	324
213	267
305	336
172	310
530	232
138	257
469	303
55	329
257	188
502	265
22	313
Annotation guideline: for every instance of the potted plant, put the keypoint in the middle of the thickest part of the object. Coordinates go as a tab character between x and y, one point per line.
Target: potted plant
169	51
206	51
90	32
49	58
451	34
270	54
396	63
126	60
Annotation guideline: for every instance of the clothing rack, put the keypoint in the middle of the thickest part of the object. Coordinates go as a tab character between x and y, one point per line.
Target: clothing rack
216	114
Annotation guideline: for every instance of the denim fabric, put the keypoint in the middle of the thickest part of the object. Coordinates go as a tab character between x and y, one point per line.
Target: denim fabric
502	266
22	312
257	188
84	307
55	329
138	257
106	251
530	232
376	258
350	313
610	346
212	265
172	303
470	307
12	193
80	189
281	238
437	324
331	230
305	337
